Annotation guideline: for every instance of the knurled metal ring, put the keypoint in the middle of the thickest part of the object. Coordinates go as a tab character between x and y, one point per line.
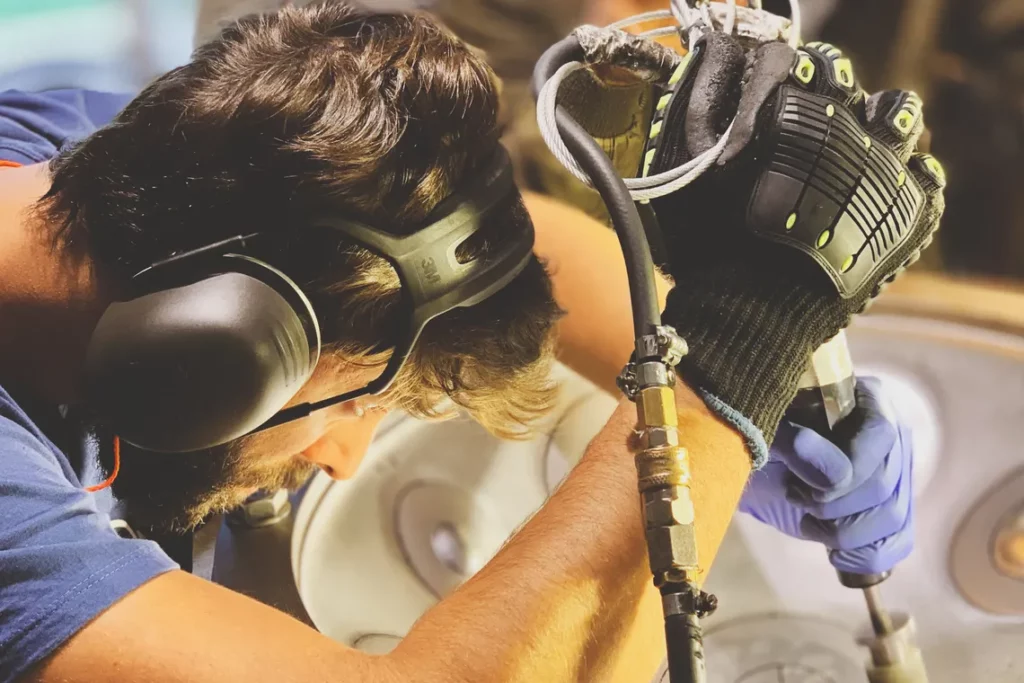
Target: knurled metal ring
691	600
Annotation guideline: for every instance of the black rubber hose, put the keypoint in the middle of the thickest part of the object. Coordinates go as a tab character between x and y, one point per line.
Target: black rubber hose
684	638
566	50
630	229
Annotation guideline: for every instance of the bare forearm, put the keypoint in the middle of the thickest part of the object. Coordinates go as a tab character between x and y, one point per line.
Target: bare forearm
550	606
569	596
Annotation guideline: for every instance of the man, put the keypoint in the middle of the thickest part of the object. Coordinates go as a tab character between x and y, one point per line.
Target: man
385	115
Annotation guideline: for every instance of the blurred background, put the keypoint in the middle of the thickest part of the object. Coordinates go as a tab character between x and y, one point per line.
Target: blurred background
112	45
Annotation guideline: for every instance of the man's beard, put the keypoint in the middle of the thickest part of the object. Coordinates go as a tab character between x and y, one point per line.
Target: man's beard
176	492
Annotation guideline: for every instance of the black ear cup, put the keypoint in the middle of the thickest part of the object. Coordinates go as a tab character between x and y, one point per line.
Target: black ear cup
214	343
195	366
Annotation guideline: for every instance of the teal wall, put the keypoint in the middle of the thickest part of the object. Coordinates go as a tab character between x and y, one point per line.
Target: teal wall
104	44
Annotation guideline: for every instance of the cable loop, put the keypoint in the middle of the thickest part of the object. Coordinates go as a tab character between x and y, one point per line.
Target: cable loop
694	18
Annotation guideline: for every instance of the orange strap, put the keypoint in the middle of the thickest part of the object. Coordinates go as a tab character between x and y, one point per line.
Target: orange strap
9	164
113	475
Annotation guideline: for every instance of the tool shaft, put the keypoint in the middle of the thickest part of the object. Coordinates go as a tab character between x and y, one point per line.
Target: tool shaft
881	622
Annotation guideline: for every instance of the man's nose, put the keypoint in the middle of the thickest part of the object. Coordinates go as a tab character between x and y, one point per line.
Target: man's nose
340	451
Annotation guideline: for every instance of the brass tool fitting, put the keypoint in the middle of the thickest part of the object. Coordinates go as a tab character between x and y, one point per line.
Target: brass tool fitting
663	468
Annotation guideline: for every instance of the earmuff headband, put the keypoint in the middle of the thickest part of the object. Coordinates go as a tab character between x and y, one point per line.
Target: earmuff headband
433	280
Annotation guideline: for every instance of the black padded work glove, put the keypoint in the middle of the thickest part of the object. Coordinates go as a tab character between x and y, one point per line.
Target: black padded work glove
817	202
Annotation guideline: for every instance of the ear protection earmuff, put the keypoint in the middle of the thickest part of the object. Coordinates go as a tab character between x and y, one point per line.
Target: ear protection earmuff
214	343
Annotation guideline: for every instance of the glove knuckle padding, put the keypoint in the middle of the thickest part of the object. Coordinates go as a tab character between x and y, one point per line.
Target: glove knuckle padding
832	74
929	172
830	191
896	118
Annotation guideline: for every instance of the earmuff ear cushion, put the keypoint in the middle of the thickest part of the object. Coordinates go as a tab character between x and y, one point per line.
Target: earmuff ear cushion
196	366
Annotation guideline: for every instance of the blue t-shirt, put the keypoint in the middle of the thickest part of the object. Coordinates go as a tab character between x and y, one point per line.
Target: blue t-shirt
61	563
34	126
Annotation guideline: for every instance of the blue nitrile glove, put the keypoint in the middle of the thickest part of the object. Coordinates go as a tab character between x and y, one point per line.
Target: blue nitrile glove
854	498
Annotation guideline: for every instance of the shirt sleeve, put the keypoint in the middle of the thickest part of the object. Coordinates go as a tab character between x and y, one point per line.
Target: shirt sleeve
34	126
61	565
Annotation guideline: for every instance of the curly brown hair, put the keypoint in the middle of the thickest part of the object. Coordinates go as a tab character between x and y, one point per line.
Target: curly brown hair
383	116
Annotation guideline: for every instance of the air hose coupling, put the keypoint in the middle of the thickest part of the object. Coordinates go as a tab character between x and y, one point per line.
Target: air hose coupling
663	467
